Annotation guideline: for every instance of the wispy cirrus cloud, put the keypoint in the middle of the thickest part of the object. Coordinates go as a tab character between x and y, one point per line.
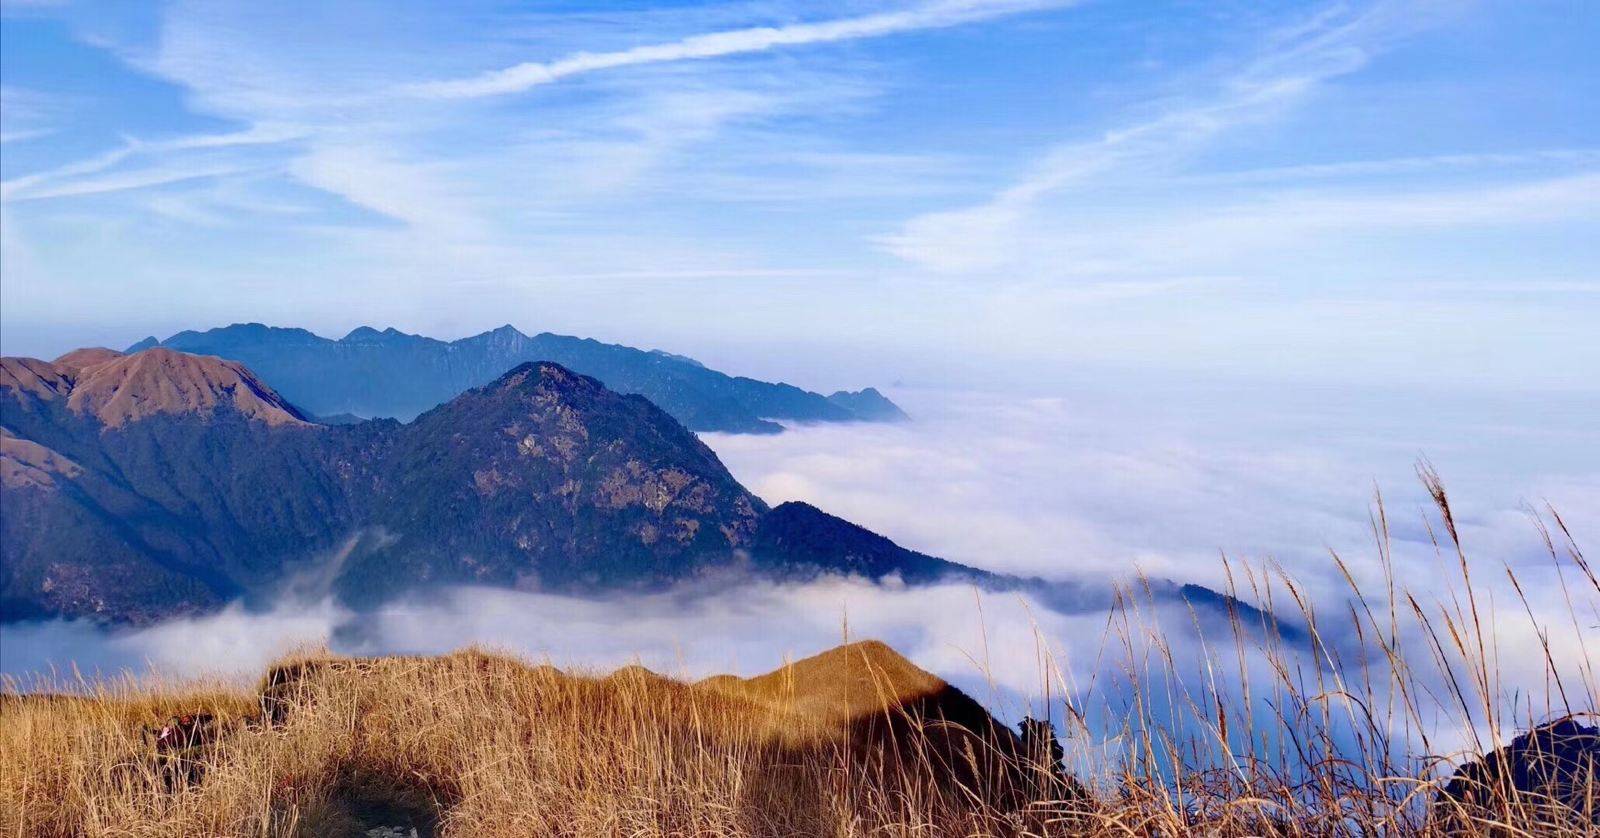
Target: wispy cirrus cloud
1389	166
1290	65
531	74
1256	233
89	176
26	114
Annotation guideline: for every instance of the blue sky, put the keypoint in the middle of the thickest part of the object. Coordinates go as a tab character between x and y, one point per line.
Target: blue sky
833	192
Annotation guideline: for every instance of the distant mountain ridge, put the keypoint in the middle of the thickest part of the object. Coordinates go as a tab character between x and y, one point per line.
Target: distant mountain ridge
392	374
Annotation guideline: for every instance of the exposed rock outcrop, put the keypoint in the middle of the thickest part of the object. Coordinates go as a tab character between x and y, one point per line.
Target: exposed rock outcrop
1551	773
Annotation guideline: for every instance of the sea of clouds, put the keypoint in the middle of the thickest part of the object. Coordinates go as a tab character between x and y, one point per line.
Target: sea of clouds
1094	482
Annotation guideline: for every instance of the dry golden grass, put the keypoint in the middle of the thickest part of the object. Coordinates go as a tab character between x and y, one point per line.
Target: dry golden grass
857	741
478	744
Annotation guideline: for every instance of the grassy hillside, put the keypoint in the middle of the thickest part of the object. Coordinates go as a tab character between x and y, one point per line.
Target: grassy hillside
476	744
854	742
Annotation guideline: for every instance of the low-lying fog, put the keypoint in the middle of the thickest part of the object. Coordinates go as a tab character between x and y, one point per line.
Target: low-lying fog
1090	483
1097	480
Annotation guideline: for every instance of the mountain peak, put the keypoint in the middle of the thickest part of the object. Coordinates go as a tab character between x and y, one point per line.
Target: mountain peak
870	405
78	360
543	374
368	334
250	328
164	381
237	333
506	334
861	678
546	477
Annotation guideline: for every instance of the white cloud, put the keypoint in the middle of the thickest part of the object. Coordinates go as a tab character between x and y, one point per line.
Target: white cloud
25	114
691	632
1007	652
1165	475
84	177
1585	157
1526	202
420	194
1269	234
493	198
122	182
1291	65
522	77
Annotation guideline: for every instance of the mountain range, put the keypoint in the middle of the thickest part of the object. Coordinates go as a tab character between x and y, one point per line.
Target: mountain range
371	373
141	486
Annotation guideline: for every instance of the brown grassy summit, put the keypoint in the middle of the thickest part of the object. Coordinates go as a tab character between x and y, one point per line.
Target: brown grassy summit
155	381
841	684
116	389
